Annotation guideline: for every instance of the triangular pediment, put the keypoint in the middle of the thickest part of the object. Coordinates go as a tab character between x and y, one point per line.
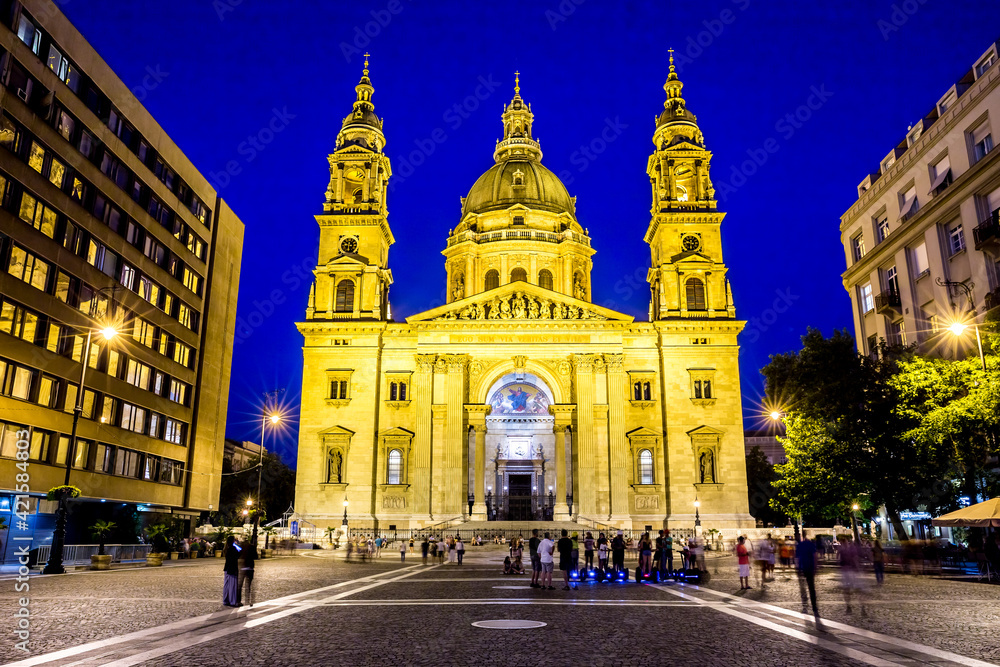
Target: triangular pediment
520	301
337	430
643	432
691	257
348	258
397	432
705	430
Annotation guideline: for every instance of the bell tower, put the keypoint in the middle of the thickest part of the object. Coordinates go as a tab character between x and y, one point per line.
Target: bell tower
687	278
352	274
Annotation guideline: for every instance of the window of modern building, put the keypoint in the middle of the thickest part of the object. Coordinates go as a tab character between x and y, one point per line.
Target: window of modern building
345	296
64	69
492	279
918	256
178	392
982	141
908	204
695	294
133	418
858	246
867	299
28	268
956	239
545	279
940	175
173	431
518	274
29	34
645	467
395	467
881	226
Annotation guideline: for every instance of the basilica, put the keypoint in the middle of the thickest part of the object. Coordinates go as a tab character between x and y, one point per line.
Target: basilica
520	399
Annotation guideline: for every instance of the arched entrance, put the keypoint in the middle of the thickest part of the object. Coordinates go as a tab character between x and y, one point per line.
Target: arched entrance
519	475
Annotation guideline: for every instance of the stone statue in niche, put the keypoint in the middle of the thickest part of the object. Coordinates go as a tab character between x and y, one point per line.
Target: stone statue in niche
579	291
459	291
707	465
335	466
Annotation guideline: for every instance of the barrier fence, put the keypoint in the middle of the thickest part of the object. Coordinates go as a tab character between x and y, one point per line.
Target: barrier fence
79	554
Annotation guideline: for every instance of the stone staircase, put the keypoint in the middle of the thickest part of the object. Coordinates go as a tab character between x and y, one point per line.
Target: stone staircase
514	528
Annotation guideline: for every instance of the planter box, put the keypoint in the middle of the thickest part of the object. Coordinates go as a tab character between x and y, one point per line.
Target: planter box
218	553
175	555
100	562
154	560
194	554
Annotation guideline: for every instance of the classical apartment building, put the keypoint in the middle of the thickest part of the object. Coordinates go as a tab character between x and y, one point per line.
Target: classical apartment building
929	215
104	221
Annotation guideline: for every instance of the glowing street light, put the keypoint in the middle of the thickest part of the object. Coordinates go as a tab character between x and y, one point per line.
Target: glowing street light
775	415
697	516
958	328
854	522
345	513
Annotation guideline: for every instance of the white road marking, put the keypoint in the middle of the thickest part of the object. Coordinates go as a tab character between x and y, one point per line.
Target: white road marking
907	644
200	622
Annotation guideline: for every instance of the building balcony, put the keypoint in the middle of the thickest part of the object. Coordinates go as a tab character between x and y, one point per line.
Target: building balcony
520	234
987	233
888	303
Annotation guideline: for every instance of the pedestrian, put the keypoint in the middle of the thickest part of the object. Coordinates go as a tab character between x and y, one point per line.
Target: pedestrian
517	554
536	562
668	551
805	560
618	552
602	553
460	550
545	549
565	548
411	544
850	563
402	551
764	552
442	546
246	563
743	562
878	562
231	573
451	549
645	555
424	548
588	551
574	554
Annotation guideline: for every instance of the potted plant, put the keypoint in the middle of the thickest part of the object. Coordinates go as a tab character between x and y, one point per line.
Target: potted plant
101	530
157	535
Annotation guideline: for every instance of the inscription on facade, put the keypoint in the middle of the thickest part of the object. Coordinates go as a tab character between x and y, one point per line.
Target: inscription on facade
519	338
647	502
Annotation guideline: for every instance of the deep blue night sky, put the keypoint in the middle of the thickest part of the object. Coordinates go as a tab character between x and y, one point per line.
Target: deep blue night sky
232	67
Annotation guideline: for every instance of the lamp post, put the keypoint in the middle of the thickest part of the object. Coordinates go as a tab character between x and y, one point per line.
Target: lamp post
697	516
777	416
854	522
54	564
345	514
274	418
958	328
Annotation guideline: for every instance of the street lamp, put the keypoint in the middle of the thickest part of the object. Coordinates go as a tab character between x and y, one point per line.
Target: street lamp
345	514
274	417
697	516
778	416
854	522
54	564
958	328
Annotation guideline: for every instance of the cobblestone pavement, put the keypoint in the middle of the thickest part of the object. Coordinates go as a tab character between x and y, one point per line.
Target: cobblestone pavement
316	610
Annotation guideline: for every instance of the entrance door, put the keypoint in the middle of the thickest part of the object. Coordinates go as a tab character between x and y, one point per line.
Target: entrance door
519	498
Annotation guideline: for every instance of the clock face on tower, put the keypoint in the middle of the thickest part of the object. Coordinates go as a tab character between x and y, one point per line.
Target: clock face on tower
690	242
349	244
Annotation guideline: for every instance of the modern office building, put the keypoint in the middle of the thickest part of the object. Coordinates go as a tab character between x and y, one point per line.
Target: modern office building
928	216
521	398
105	223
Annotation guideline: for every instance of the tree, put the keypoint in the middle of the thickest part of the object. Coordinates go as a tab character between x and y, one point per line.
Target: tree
760	484
844	439
277	488
100	531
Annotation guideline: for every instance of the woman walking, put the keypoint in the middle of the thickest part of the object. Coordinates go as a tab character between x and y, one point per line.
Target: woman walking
231	573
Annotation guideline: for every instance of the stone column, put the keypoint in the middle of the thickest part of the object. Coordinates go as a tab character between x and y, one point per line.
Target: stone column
567	272
439	412
470	284
422	390
617	445
456	440
584	451
477	419
563	417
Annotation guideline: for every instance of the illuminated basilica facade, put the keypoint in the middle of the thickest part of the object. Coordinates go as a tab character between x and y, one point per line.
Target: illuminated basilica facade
520	399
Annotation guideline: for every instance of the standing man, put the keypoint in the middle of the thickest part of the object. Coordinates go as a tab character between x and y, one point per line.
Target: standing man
618	552
536	562
459	549
246	564
668	549
425	546
565	546
545	549
805	557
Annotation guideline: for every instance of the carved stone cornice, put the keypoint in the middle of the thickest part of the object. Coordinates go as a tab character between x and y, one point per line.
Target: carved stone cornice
478	413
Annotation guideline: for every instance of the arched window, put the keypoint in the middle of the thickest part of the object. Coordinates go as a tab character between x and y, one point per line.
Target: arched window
518	274
545	279
645	467
492	279
357	196
393	391
645	391
695	294
345	296
637	393
395	467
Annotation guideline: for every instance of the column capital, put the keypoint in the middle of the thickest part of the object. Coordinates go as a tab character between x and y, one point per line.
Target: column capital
583	363
456	362
563	412
478	413
425	362
615	362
